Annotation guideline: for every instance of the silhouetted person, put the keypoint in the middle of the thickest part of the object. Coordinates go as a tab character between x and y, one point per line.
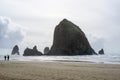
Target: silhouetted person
5	58
8	57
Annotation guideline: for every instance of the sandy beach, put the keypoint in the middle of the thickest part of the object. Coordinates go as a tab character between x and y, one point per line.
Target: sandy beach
31	70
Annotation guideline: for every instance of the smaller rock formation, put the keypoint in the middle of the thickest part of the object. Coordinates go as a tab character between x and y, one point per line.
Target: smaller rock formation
46	50
32	52
101	52
15	50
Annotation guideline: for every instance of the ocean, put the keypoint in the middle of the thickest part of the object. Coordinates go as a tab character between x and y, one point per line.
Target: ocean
106	59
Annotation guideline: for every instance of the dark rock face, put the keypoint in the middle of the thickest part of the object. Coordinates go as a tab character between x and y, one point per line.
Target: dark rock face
32	52
46	50
15	50
35	48
101	52
69	39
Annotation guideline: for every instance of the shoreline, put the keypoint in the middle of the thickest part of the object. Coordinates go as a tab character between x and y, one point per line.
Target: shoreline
82	61
40	70
105	59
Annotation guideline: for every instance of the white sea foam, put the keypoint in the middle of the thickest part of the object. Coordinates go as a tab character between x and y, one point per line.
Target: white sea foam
107	58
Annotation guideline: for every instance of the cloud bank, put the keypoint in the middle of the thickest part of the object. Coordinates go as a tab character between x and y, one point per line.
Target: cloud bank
10	33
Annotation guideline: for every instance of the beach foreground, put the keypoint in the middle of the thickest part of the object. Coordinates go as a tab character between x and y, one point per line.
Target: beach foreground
29	70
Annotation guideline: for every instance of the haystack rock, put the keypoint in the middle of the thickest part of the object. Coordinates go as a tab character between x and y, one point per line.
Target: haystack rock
15	50
32	52
101	52
69	39
46	50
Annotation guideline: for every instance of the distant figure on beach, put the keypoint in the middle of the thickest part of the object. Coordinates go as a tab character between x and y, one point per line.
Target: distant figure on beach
5	58
8	57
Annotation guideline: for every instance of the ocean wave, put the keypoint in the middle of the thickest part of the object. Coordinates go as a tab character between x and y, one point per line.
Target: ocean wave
107	58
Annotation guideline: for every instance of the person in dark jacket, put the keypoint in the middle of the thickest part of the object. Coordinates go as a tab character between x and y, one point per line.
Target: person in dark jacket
8	57
5	58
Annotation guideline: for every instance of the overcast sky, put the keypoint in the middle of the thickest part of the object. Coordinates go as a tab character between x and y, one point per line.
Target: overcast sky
32	22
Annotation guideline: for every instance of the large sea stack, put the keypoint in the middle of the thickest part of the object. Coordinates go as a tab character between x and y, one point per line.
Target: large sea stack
32	52
69	39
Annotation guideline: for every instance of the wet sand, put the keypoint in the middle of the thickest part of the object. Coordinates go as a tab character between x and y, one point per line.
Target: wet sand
31	70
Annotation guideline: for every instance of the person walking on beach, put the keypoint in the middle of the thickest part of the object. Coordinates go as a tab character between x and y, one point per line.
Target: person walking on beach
8	57
5	58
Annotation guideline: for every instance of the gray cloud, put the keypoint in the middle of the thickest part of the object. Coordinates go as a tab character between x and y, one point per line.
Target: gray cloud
10	33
